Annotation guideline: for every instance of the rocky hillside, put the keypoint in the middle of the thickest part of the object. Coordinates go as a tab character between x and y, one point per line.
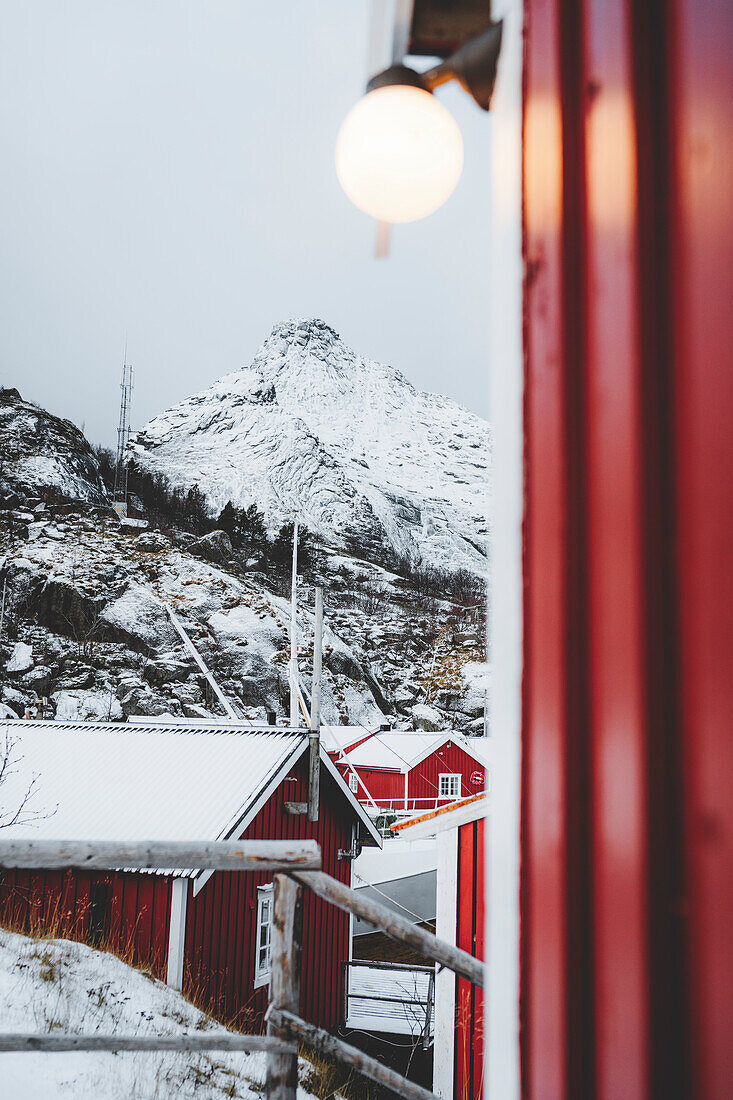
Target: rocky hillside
87	634
43	453
372	465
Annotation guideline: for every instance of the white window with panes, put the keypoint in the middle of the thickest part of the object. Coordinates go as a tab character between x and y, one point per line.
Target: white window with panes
353	781
264	934
449	785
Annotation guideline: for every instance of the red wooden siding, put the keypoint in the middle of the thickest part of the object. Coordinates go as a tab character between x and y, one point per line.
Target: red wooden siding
470	928
423	779
220	927
383	784
627	820
57	904
387	785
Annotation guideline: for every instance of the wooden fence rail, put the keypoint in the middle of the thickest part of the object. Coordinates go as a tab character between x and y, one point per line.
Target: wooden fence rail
291	1024
399	928
297	865
226	1040
111	855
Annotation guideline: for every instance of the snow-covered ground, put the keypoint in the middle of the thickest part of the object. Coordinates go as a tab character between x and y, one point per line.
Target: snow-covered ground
56	985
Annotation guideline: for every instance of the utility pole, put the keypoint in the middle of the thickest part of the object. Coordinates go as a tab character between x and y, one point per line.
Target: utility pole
2	607
314	762
294	720
119	501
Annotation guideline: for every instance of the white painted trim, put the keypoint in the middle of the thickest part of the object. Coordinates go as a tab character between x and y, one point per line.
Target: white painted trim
266	889
246	819
233	832
445	979
407	786
450	818
506	384
177	932
449	775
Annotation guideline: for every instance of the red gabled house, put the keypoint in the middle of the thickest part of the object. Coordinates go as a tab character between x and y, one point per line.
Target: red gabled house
413	771
204	931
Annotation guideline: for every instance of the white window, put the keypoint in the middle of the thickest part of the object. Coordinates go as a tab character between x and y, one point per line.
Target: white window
353	781
264	934
449	785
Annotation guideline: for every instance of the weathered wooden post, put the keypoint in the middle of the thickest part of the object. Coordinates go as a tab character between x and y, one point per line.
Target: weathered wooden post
285	955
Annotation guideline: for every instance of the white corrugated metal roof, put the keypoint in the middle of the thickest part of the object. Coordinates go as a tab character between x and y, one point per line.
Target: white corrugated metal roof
404	750
115	781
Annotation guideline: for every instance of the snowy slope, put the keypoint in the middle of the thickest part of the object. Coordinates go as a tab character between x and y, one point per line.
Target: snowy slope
56	985
370	462
39	451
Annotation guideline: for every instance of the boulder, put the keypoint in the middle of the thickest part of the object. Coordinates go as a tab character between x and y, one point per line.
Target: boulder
151	542
141	700
165	670
15	699
193	710
38	679
426	718
21	659
216	547
138	619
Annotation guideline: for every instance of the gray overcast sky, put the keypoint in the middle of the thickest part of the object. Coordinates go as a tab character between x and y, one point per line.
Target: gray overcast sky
168	172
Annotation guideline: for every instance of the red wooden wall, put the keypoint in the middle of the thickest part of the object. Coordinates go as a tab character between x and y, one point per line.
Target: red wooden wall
423	779
627	815
383	784
470	929
56	903
220	925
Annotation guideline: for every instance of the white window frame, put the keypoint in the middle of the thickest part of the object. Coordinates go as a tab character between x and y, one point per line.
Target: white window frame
453	781
265	902
353	782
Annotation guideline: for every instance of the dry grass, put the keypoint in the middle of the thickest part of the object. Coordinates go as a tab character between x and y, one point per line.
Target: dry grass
327	1080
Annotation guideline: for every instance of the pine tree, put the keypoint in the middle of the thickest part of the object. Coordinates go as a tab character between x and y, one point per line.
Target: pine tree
229	521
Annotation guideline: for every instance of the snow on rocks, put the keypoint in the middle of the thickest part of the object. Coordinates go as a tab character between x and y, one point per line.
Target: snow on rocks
426	718
86	706
151	542
60	986
42	451
139	618
408	474
21	659
216	546
477	679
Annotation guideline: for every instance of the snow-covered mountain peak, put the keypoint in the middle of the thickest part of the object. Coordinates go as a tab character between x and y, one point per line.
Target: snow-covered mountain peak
368	461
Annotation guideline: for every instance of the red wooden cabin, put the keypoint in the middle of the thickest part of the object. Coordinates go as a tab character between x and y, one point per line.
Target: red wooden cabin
458	1061
207	931
414	771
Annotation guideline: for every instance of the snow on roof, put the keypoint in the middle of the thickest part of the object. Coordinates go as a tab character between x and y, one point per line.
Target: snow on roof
404	750
338	738
115	781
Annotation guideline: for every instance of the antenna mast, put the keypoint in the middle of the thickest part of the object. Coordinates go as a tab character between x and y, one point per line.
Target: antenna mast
123	436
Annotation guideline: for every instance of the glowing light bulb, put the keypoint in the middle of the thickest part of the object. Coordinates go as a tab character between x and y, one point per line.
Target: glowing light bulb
399	154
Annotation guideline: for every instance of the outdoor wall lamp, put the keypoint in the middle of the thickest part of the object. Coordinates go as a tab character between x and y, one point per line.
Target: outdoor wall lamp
399	152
